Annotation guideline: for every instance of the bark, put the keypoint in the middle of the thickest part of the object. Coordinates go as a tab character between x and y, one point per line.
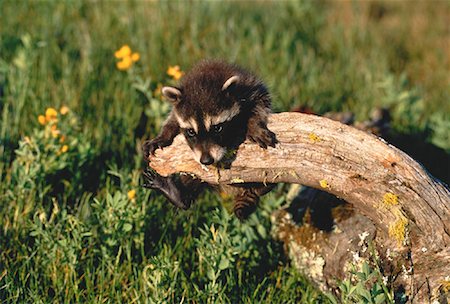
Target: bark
404	210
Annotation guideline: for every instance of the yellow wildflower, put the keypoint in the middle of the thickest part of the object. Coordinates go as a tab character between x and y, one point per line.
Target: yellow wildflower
42	120
135	57
123	52
55	131
131	194
50	114
124	64
175	72
127	58
62	139
64	110
64	149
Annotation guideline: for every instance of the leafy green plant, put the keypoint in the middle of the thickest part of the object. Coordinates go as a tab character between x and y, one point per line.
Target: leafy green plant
440	126
161	277
52	156
363	286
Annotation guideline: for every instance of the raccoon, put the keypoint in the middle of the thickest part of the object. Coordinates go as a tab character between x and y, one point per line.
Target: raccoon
216	107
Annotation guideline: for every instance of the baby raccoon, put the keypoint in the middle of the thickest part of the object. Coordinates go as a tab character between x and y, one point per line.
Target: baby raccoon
216	107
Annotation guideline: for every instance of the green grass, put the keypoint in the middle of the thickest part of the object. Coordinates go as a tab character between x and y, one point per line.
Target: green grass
68	230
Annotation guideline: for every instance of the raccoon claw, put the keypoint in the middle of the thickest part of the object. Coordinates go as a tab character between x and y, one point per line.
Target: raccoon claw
264	138
152	179
166	186
150	146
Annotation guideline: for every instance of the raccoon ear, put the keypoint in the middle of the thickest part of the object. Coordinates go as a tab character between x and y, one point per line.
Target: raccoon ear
230	82
172	94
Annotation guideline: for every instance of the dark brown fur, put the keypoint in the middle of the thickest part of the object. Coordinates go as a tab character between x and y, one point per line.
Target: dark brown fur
202	99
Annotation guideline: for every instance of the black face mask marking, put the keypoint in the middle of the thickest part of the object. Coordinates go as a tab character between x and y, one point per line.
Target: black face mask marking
217	141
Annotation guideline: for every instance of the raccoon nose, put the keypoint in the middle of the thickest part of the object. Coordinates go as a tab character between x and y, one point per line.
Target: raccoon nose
206	159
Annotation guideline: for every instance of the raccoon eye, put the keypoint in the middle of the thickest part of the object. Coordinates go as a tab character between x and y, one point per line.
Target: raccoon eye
190	132
217	128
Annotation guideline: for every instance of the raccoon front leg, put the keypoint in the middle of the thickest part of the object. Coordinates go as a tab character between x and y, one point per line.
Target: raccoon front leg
257	130
247	200
181	191
165	138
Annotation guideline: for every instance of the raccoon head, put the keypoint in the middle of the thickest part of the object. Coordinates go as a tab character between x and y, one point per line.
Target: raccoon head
210	117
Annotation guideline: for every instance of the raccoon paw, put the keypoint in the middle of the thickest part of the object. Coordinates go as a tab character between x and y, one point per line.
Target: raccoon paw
150	146
152	180
263	137
166	186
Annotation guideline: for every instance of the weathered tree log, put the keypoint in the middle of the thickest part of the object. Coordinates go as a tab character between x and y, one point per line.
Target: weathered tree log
407	208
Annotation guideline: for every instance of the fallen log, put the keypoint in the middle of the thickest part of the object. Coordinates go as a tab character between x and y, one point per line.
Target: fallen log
401	207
